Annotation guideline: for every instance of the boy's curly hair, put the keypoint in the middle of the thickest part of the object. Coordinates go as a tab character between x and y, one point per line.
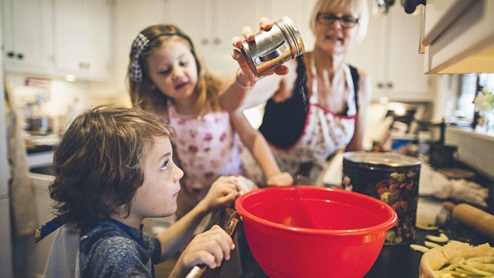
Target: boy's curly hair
98	162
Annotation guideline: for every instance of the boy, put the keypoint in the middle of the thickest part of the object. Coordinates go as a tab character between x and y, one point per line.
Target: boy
113	168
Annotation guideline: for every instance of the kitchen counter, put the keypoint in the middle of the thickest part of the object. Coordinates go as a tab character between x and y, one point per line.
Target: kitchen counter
394	261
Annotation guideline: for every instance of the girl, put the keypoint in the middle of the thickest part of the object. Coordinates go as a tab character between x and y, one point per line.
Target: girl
167	77
319	106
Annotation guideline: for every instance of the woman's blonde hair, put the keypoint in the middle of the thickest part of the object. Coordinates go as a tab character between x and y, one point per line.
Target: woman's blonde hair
359	7
145	95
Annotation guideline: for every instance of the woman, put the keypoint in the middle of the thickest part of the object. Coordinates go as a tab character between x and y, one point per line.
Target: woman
318	106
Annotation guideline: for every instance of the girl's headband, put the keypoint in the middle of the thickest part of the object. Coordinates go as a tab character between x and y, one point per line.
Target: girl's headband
141	44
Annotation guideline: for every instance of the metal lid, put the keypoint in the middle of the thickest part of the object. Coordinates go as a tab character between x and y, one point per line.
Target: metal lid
386	159
292	35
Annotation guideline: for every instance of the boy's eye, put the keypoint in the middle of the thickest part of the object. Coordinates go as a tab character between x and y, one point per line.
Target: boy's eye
184	63
165	164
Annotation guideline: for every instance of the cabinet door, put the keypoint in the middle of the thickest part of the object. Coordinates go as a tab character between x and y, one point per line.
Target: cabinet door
371	54
405	64
130	17
82	37
297	12
212	24
389	54
194	18
26	28
230	16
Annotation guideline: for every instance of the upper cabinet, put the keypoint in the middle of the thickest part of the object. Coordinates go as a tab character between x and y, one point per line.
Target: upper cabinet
83	37
26	28
129	18
212	24
390	55
459	36
57	37
298	11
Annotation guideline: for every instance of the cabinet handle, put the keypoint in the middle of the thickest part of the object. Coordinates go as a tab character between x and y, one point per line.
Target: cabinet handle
217	41
10	54
390	85
20	56
380	85
411	5
204	41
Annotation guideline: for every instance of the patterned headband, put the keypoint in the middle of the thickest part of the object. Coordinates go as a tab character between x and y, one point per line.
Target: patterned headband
141	44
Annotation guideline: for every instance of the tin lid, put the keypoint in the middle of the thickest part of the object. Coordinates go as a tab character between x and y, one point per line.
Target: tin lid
386	159
292	35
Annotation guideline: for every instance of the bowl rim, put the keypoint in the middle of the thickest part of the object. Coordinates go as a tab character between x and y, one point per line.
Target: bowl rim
385	226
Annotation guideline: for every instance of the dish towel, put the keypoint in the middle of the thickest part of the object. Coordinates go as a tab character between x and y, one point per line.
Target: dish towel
433	183
23	200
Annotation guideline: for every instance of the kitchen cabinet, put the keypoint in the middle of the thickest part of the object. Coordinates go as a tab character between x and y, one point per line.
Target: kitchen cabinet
26	28
298	11
389	54
212	24
129	18
83	37
459	36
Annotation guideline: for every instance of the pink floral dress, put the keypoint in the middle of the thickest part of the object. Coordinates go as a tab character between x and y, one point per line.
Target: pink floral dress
207	147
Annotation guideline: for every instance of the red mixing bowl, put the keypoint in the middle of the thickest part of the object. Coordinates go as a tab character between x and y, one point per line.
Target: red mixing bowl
309	231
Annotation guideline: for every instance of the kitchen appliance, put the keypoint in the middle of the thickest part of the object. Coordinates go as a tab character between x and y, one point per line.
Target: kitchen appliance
392	178
6	261
310	231
274	47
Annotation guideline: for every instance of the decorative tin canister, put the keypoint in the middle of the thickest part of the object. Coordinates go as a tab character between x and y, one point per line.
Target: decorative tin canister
392	178
274	47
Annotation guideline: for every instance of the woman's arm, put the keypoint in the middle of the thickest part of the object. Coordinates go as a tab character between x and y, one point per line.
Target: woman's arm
257	145
364	93
245	82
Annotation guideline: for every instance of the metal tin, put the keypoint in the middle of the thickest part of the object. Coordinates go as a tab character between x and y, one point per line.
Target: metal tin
274	47
392	178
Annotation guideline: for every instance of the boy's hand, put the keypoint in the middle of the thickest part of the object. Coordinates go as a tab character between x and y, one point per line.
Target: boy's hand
280	179
209	248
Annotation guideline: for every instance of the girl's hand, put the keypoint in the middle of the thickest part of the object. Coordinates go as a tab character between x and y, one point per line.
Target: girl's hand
245	76
209	248
280	179
222	192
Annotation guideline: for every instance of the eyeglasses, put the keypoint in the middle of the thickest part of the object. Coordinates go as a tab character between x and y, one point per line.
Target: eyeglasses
329	18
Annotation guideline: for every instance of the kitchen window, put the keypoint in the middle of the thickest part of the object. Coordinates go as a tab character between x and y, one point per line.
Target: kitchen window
470	84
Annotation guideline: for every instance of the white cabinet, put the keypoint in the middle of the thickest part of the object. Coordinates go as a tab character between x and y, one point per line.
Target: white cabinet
83	37
212	24
389	53
129	18
57	37
26	28
459	36
298	11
